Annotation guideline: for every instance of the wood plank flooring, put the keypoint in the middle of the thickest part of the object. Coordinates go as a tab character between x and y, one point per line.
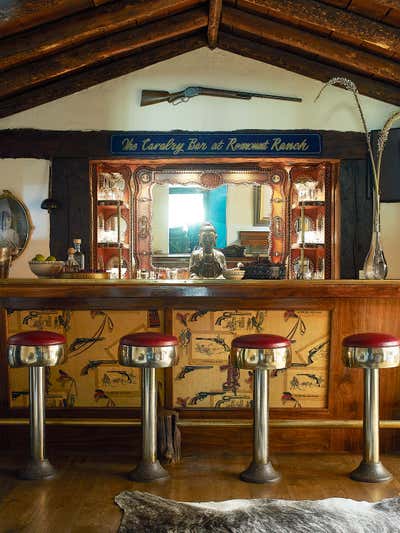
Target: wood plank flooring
81	498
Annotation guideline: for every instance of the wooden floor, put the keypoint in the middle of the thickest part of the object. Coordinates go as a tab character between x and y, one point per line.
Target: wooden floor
81	498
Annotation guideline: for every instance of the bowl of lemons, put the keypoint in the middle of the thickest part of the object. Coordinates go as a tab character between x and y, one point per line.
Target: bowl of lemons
44	267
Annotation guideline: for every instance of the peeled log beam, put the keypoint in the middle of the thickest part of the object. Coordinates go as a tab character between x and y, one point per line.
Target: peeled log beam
214	18
350	25
390	4
304	42
26	77
307	67
83	80
89	25
24	14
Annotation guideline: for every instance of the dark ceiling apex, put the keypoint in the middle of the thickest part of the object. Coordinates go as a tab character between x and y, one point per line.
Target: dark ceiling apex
52	48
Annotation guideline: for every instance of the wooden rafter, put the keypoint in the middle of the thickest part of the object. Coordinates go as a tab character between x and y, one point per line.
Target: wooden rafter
25	77
75	30
319	15
98	74
390	4
214	18
301	41
307	67
24	14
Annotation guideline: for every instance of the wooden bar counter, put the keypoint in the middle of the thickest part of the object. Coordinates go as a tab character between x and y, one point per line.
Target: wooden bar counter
316	405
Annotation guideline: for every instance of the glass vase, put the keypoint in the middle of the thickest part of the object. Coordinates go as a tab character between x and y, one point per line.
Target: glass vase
375	266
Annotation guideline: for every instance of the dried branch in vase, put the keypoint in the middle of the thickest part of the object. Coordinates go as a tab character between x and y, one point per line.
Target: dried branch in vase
375	266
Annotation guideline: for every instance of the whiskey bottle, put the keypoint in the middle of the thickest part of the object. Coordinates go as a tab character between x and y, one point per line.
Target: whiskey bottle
71	265
79	256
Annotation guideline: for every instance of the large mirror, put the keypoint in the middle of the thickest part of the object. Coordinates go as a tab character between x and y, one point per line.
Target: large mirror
247	207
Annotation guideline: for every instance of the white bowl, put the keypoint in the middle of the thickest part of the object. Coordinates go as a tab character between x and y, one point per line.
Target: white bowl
46	269
233	273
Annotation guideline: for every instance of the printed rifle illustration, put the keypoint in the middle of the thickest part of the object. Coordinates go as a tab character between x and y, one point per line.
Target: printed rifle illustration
226	398
317	379
311	354
191	368
122	373
96	363
156	97
217	340
202	395
310	359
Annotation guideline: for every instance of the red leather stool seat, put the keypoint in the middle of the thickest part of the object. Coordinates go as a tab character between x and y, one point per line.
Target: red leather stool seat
36	338
371	340
261	342
149	340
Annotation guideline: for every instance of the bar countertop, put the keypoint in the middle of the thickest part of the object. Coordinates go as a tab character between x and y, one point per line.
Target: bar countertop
14	291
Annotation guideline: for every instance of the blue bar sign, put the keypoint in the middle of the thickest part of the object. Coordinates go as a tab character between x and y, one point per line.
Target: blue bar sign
212	144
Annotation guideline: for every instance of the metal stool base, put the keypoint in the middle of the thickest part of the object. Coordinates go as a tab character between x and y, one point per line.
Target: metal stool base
148	472
260	473
371	473
37	470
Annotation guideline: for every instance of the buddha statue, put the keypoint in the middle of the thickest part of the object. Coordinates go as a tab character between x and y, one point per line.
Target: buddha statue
206	261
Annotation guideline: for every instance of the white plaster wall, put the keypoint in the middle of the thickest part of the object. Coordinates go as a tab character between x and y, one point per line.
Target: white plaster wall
114	105
27	179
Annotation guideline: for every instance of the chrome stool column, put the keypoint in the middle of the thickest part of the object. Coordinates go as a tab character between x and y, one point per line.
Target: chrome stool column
371	351
260	353
36	350
148	351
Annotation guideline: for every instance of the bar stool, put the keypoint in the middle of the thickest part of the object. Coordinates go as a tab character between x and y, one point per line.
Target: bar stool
371	351
148	351
36	350
260	353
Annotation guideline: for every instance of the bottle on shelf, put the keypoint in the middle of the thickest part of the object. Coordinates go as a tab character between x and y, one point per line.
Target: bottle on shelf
71	265
79	256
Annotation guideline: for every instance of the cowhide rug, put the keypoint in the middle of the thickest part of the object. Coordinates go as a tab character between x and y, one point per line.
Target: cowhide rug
145	512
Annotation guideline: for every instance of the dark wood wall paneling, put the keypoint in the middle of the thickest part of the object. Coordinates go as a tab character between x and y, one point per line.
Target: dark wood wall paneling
71	189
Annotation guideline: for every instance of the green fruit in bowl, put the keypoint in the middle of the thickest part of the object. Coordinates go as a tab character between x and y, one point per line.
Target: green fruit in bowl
39	257
51	258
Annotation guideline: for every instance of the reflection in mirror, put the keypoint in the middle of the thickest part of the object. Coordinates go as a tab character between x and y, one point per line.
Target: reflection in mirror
178	213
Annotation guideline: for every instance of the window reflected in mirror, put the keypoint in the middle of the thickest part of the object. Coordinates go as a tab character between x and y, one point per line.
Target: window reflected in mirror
178	213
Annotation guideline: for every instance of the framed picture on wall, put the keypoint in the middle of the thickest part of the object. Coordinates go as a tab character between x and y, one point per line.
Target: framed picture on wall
262	205
15	223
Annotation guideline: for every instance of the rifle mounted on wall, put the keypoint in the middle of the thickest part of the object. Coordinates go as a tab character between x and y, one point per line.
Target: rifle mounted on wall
156	97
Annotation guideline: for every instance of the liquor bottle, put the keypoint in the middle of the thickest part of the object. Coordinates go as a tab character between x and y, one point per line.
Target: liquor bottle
79	256
71	265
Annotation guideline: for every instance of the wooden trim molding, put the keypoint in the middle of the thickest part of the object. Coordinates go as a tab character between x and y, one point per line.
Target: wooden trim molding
50	144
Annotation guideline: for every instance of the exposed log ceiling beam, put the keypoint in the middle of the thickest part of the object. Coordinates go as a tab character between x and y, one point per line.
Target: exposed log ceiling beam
390	4
310	12
302	41
89	25
214	18
98	74
24	14
109	48
306	67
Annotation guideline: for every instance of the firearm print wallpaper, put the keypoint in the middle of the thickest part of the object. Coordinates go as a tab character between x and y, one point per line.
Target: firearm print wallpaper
91	375
204	378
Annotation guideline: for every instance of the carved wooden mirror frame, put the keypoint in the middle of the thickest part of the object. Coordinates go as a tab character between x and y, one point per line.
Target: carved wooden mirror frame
208	177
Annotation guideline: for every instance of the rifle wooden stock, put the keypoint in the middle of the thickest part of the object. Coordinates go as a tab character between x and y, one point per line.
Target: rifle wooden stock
156	97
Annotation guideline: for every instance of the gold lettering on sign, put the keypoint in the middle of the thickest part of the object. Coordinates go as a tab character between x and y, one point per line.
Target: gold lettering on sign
196	146
129	145
169	146
279	146
234	146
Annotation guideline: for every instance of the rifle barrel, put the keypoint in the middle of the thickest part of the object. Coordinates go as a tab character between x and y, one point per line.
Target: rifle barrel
244	95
